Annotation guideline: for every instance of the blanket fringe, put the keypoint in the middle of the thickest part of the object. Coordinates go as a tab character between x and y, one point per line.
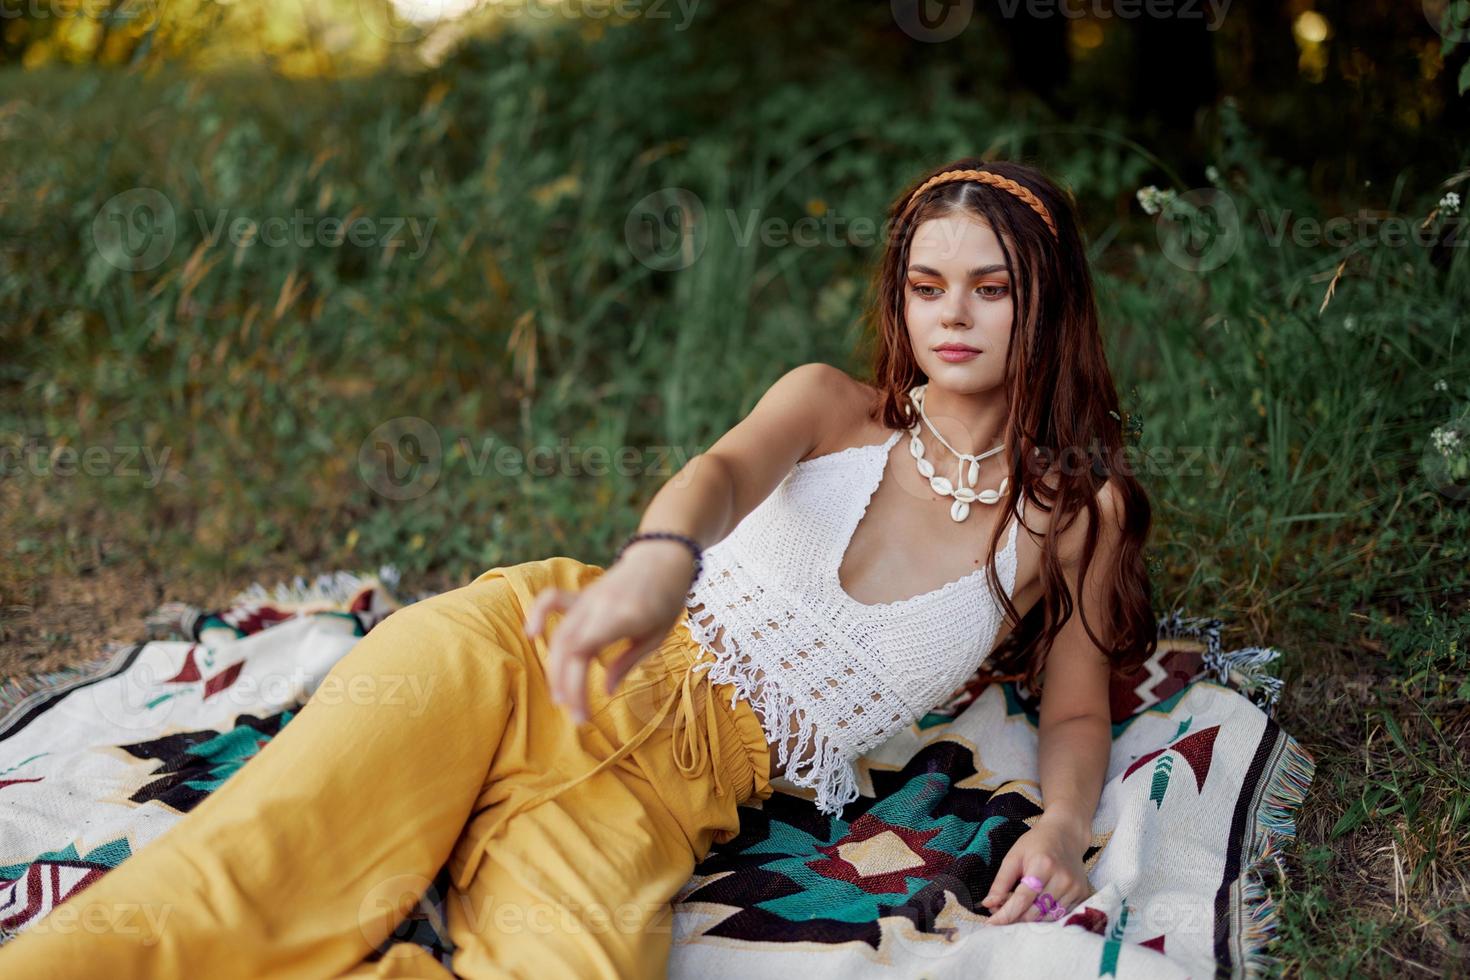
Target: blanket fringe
1244	670
1276	827
23	689
329	590
332	588
1201	629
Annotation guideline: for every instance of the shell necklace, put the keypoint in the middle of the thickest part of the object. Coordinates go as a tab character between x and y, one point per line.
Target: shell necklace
963	495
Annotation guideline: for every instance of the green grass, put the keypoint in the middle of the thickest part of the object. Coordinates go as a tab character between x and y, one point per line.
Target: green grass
1307	520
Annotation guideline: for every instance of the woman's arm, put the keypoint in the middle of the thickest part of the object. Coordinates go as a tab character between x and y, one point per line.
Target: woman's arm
639	598
1074	736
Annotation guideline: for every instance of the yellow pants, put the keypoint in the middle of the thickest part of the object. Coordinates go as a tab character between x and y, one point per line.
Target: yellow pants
435	739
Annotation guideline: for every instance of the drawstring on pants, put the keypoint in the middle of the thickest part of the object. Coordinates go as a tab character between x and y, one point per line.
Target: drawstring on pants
691	754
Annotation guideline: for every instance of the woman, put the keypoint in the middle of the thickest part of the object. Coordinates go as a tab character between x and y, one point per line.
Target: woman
803	590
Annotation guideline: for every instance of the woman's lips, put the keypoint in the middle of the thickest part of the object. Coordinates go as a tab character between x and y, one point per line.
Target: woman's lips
954	355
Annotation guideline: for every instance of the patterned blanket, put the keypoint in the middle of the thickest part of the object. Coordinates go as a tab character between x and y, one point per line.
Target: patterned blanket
1201	792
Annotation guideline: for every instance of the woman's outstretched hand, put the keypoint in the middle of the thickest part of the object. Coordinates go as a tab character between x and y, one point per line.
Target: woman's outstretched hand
1049	852
638	599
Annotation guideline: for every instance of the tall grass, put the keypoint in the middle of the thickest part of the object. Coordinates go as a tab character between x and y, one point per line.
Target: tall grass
1287	442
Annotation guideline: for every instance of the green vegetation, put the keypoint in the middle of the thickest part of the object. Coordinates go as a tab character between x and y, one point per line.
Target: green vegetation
1287	398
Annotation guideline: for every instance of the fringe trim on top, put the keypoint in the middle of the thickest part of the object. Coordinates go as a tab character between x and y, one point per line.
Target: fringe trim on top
828	773
1275	829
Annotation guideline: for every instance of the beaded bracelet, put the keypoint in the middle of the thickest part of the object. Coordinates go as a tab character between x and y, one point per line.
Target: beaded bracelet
685	540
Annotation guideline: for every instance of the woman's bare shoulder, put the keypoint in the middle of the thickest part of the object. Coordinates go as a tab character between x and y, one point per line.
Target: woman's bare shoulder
1072	531
857	421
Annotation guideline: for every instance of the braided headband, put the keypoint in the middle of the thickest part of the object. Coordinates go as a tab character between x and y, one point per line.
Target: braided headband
994	180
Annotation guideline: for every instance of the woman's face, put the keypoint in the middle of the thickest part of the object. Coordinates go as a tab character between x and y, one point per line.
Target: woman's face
957	292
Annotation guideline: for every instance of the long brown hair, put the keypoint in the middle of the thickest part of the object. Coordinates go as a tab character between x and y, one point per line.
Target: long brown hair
1064	431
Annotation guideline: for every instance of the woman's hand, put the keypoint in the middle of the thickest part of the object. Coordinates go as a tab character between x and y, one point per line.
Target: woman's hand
639	599
1052	852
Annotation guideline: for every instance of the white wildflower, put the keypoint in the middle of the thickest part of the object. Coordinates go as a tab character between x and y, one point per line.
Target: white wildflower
1152	199
1446	440
1212	174
1441	385
1450	203
1349	323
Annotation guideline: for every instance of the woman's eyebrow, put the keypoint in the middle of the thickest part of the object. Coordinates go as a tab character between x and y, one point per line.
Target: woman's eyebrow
980	270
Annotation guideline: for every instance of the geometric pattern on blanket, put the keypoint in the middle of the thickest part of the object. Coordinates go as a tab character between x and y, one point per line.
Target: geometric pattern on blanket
1199	801
1200	798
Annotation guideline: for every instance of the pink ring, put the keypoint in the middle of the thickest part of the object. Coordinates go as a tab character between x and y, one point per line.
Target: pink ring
1055	914
1034	883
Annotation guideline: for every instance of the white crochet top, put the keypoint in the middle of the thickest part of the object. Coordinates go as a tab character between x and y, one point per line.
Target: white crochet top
841	675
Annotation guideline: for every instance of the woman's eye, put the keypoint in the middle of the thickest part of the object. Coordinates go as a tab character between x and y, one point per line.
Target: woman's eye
935	290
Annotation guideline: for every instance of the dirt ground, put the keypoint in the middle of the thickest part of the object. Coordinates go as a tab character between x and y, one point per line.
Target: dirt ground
67	593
